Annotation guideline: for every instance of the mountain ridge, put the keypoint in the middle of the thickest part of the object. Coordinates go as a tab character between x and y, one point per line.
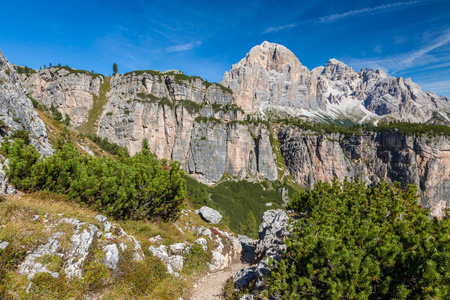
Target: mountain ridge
271	77
205	127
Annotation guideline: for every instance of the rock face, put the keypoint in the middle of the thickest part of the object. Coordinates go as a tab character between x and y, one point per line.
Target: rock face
188	120
70	91
420	160
16	110
271	78
183	118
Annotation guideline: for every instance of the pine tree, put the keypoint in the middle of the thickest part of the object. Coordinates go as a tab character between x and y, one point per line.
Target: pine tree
114	69
358	242
67	120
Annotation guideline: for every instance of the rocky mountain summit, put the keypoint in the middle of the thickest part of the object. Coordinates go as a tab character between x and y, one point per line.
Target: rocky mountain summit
271	79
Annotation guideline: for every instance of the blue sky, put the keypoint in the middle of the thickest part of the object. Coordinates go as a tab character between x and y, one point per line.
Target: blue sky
404	38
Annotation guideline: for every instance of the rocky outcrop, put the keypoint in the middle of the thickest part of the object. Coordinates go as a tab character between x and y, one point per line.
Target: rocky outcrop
184	118
273	230
421	160
16	109
70	91
188	120
271	78
225	249
84	237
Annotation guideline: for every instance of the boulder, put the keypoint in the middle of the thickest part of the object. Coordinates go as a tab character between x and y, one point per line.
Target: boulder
210	215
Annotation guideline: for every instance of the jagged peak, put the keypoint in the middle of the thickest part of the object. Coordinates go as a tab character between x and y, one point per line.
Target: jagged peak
334	61
335	67
271	56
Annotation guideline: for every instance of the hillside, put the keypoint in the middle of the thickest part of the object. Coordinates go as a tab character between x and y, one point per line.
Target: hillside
103	174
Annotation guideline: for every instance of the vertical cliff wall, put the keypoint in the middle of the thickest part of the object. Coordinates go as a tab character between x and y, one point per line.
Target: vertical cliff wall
421	160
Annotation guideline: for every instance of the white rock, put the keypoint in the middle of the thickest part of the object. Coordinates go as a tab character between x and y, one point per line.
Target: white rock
3	245
101	218
177	248
160	252
155	239
176	262
210	215
108	235
80	249
207	232
122	246
111	256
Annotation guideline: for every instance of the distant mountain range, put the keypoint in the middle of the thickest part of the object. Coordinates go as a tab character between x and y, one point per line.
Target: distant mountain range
271	80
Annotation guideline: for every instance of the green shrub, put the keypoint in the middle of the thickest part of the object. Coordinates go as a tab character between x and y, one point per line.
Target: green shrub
191	106
165	101
148	97
357	242
131	187
108	146
21	134
127	112
404	128
35	103
57	115
212	120
67	120
196	259
24	70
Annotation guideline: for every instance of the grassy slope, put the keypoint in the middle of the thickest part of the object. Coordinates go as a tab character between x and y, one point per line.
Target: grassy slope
241	203
135	280
94	114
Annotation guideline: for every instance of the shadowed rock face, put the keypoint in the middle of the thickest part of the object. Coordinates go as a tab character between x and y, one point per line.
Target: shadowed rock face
420	160
270	77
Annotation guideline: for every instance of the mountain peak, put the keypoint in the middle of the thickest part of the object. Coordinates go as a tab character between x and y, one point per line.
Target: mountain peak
335	67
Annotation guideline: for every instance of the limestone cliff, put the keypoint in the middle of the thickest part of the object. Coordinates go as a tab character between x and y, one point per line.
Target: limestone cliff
421	160
70	91
188	120
271	79
16	109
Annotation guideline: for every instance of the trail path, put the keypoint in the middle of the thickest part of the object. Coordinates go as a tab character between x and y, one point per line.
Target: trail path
210	286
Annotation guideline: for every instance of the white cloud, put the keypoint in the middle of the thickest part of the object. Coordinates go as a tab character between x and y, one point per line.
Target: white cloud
279	28
365	11
183	47
336	17
422	57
